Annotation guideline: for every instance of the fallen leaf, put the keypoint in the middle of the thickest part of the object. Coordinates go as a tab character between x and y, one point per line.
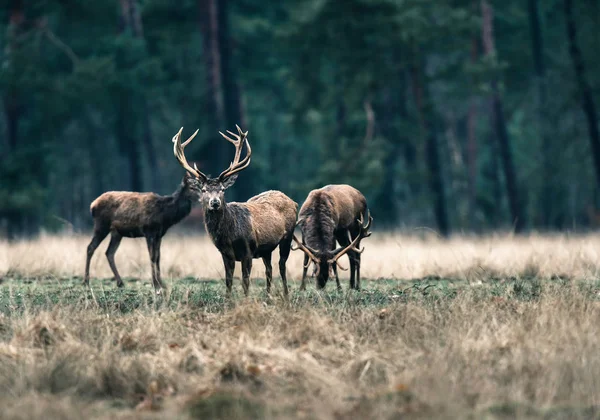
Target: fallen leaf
253	370
401	388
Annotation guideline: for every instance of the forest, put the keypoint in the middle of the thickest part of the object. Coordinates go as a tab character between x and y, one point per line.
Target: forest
453	115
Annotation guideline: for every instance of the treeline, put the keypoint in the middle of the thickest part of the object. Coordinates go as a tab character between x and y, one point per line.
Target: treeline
459	115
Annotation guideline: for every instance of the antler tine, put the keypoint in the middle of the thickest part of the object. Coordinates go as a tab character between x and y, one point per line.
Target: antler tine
236	165
341	267
364	233
306	250
189	139
180	155
317	270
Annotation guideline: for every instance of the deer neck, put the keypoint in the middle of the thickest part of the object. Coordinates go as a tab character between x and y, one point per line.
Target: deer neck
217	222
319	235
178	206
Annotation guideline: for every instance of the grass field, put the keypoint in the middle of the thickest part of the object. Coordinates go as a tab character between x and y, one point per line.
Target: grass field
493	327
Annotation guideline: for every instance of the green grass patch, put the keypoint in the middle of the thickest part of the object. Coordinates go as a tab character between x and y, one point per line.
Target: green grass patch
19	295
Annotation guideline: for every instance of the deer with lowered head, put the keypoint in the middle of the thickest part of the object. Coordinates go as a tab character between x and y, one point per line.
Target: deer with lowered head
135	215
244	231
334	212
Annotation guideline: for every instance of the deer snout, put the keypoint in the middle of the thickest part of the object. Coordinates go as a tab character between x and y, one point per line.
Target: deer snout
214	203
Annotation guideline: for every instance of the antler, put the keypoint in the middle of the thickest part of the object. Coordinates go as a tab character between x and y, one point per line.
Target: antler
364	233
180	155
309	251
236	166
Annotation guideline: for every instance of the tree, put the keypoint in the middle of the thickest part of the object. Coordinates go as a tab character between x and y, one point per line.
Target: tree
499	122
587	99
232	95
548	194
126	99
133	19
472	144
427	122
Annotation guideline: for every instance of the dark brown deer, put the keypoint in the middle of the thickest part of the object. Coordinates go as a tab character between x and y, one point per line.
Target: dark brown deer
135	215
334	212
244	231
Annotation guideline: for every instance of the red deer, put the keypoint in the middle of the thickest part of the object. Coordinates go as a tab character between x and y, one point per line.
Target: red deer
244	231
135	215
334	212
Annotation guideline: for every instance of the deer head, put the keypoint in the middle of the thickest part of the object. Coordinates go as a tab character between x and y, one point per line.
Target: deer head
323	260
213	189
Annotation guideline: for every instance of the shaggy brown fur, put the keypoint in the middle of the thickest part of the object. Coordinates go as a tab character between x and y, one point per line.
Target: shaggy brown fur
244	231
133	215
331	213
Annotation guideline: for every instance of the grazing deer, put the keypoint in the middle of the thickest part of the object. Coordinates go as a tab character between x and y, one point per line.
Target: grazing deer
244	231
133	215
334	212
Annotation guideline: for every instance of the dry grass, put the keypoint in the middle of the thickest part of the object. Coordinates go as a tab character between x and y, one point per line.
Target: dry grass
487	346
386	256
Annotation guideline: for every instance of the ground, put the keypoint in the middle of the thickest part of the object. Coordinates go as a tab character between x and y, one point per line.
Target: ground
494	327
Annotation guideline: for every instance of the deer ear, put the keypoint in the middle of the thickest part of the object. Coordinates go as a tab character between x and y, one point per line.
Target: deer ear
192	180
229	181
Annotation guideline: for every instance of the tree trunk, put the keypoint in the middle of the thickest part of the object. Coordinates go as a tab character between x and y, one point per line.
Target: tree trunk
409	148
232	95
472	149
497	111
587	99
429	133
127	142
133	20
95	152
138	31
390	111
209	25
548	195
215	148
12	106
125	123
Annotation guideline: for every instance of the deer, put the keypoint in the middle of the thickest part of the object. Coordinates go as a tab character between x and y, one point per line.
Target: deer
248	230
135	215
330	213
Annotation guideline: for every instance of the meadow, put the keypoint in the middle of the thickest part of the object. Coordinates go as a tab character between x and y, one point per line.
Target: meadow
470	327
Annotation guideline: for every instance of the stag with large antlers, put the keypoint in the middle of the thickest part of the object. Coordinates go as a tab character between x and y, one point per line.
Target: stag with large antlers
244	231
135	215
334	212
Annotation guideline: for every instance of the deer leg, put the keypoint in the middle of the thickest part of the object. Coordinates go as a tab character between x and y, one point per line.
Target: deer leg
355	257
268	271
229	264
153	242
357	265
246	269
284	253
344	238
337	278
304	270
115	241
98	237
